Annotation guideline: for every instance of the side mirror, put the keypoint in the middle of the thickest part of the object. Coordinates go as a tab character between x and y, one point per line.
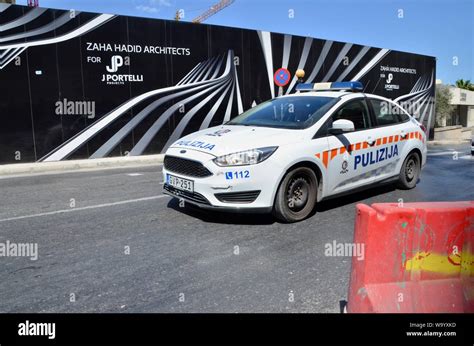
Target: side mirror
341	126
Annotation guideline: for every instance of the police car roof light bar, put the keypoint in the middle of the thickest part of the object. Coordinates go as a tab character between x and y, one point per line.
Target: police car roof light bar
350	86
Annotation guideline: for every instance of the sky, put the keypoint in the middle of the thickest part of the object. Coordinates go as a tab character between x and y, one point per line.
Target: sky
440	28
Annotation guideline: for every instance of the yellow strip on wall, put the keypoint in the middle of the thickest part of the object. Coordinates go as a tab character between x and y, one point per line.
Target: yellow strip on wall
438	263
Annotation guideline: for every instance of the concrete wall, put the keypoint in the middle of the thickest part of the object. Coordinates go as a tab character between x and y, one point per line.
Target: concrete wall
462	97
452	133
464	100
470	116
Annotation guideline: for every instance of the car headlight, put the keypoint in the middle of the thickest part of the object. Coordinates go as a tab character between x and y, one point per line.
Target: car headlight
247	157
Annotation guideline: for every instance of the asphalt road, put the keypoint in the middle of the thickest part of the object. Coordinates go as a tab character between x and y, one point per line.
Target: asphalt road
85	223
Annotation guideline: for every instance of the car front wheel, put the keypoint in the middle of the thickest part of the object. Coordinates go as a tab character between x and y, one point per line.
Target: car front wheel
296	196
410	172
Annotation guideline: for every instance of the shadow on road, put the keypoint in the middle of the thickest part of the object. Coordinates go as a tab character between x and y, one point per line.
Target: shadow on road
354	197
268	219
222	217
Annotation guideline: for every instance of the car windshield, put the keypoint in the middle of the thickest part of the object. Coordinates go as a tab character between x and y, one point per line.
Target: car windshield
294	112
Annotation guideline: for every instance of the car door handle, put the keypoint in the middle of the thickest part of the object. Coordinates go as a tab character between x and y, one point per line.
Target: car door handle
371	142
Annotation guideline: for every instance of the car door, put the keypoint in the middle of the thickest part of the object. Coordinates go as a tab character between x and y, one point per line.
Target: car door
393	132
348	157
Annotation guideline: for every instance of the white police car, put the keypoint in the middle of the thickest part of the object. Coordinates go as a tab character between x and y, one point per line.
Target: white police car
288	153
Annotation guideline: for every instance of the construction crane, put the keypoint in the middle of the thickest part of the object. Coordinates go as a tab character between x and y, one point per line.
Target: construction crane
213	10
33	3
210	12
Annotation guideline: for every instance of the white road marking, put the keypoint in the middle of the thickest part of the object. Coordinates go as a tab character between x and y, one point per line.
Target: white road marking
445	153
134	174
84	208
81	170
439	153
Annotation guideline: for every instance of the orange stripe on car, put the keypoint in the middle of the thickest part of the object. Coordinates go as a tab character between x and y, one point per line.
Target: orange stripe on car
328	155
325	159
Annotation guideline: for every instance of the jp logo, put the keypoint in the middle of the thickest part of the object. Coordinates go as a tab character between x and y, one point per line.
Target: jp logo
390	78
116	62
112	78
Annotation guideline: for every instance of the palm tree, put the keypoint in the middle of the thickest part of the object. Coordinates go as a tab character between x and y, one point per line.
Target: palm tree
464	84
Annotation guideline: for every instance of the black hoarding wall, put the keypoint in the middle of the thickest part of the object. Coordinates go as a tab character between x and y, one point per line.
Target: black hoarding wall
82	85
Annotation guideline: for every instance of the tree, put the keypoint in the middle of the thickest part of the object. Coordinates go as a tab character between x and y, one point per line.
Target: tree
465	84
443	106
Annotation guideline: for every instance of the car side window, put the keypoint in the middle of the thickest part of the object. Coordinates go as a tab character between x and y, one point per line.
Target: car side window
323	130
403	116
355	111
387	113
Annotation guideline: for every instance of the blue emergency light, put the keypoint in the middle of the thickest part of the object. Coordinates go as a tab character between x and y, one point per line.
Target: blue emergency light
351	86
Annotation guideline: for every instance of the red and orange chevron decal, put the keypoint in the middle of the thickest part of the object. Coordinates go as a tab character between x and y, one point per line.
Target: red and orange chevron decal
328	155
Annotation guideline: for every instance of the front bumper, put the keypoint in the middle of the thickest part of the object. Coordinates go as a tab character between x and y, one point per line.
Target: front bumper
238	189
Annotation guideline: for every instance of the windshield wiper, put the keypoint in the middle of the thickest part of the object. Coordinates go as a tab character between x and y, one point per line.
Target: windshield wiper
238	124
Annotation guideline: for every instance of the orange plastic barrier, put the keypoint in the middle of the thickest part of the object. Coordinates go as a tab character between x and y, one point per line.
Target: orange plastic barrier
419	257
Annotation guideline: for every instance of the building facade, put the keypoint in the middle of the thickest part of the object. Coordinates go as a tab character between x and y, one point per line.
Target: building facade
464	101
78	85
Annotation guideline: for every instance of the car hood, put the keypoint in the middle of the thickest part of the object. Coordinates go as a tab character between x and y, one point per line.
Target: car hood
227	139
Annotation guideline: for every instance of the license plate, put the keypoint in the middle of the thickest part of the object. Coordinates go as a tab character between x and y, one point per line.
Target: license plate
180	183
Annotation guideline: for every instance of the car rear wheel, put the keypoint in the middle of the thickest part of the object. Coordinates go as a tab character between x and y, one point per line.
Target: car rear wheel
296	196
410	172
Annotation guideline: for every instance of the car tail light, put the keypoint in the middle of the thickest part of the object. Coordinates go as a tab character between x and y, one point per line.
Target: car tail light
423	128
